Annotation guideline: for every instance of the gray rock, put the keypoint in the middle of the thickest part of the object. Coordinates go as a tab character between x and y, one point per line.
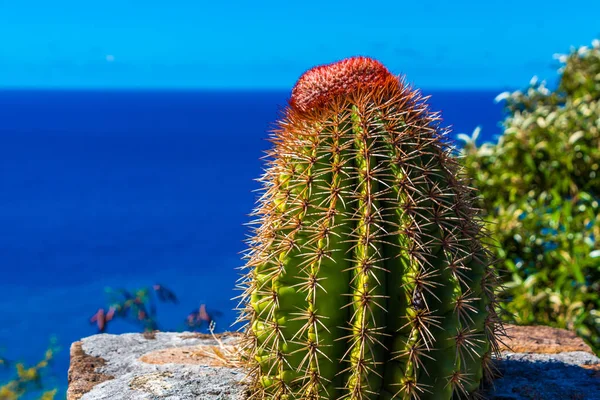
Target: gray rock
135	379
548	376
172	366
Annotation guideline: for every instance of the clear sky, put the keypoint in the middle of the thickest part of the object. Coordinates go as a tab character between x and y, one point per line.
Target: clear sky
268	44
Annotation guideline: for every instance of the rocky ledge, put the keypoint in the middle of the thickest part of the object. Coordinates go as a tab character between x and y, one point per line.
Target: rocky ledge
542	363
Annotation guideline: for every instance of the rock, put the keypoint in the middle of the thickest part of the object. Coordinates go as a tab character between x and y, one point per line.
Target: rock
540	362
543	339
537	363
159	366
84	372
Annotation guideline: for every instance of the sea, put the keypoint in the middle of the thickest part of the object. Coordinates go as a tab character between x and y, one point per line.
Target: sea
128	189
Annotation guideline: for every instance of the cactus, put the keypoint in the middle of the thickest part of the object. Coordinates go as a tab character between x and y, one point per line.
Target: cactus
366	273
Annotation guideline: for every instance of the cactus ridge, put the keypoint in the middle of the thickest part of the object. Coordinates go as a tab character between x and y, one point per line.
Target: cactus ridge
366	274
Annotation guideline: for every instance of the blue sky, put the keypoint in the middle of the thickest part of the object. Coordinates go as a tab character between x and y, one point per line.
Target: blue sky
268	44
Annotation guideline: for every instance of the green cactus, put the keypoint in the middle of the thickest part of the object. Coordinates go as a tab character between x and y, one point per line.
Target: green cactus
367	277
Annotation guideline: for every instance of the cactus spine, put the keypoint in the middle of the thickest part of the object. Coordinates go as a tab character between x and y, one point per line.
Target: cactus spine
366	276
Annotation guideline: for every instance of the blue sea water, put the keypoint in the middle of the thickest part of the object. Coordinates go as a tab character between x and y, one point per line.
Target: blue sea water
126	189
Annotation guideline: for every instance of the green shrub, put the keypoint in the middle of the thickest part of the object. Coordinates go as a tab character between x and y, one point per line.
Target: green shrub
540	191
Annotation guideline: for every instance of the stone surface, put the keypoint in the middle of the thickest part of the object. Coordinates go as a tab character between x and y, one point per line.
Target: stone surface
543	339
537	363
84	372
568	375
172	366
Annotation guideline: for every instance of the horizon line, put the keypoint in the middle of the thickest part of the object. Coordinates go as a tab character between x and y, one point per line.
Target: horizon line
220	89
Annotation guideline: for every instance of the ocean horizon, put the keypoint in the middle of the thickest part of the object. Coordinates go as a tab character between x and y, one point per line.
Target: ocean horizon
128	188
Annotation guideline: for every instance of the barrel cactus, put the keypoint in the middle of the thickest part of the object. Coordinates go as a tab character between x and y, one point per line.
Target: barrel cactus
366	273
